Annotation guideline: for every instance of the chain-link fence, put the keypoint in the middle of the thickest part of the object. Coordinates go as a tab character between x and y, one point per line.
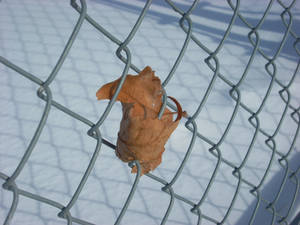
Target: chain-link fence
214	146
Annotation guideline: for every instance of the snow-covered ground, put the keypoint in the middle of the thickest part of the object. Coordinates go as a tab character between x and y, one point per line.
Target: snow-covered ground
33	34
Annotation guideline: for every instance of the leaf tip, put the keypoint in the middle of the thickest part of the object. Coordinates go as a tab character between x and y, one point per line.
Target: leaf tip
104	92
147	71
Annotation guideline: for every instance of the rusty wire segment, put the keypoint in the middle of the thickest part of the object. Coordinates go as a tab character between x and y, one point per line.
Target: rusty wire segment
212	61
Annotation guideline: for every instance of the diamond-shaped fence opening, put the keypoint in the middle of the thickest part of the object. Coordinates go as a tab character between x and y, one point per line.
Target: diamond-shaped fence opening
234	67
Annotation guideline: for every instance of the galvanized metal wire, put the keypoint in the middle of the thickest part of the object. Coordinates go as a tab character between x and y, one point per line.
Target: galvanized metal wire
213	62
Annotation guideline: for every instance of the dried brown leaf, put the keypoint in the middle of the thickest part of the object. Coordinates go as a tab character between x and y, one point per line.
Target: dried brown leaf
142	136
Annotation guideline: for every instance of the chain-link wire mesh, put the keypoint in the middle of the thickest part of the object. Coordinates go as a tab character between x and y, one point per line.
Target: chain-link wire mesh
215	146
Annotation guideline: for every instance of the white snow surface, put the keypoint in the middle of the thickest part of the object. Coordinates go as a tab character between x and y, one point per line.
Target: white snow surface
33	34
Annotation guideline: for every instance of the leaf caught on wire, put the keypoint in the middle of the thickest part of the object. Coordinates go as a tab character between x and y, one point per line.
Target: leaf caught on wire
142	135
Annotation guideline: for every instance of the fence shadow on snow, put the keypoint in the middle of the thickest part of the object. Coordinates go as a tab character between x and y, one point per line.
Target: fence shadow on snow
230	163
